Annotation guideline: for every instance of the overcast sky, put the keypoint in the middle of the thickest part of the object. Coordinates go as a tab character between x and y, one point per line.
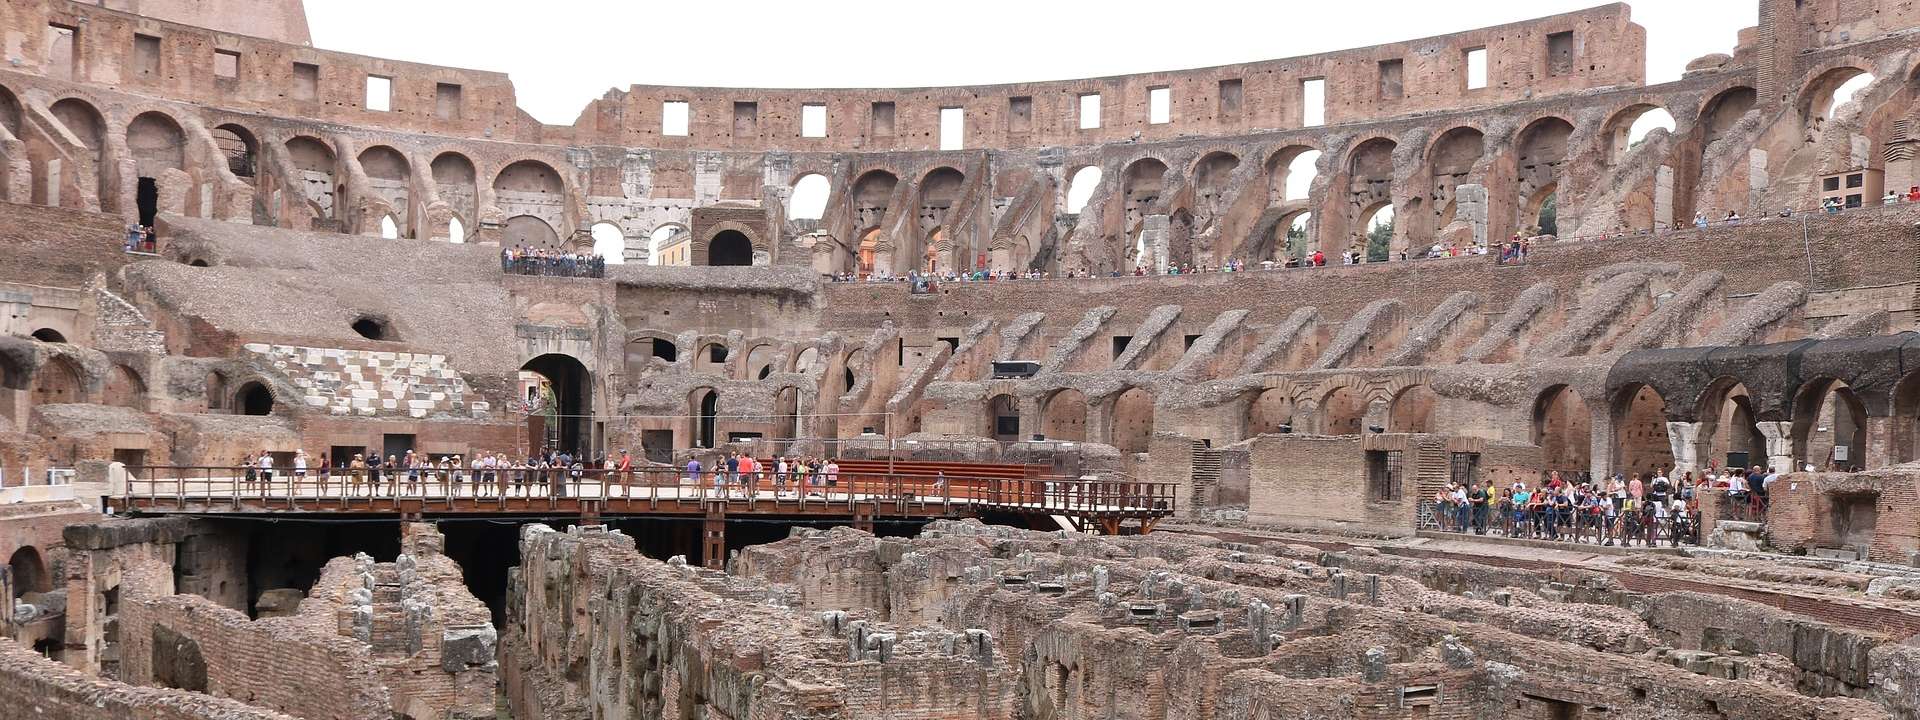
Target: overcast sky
563	53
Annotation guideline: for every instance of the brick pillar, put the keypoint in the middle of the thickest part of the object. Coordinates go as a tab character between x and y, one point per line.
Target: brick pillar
1879	450
713	539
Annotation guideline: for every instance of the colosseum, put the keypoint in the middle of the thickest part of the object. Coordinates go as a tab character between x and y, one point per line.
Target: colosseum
342	388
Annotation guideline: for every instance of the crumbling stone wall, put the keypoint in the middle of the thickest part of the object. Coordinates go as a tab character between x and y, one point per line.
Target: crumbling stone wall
599	631
42	688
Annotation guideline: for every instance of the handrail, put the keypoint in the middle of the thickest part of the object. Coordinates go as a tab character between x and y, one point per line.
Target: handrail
212	488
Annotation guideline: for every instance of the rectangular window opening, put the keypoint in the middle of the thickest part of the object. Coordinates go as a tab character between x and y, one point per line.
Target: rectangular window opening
226	64
1020	115
746	119
1476	68
813	120
146	54
379	93
1230	95
1464	468
1089	111
306	81
1392	79
1383	475
674	118
953	128
882	116
63	51
1190	340
1159	105
1120	343
446	101
1313	102
1560	53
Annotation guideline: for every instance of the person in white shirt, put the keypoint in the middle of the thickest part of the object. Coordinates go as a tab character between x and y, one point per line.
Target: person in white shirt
299	467
266	470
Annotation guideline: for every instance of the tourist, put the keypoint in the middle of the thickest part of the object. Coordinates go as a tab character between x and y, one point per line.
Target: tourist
266	471
833	477
456	475
326	473
625	467
693	472
393	475
1892	198
1463	512
1700	220
299	469
1913	193
1479	498
250	469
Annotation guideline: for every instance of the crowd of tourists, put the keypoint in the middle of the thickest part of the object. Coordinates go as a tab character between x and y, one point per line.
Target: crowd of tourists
1625	510
547	472
526	260
141	239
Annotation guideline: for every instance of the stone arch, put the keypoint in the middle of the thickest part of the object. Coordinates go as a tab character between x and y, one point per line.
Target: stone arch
529	230
572	385
29	570
808	201
1130	420
1270	411
1904	427
1412	410
157	144
457	184
1281	166
90	175
732	246
314	162
1618	131
382	162
1143	182
531	177
58	381
704	409
1816	94
1343	411
240	147
1082	183
1563	428
125	388
609	241
1064	416
759	365
1721	112
806	360
1640	440
1828	416
48	335
1540	156
253	398
940	190
872	193
10	111
786	411
1727	430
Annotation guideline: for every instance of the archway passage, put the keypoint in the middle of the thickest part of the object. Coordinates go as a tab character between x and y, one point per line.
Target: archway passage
1003	413
1563	429
1829	427
1132	421
1065	417
1640	444
1342	412
146	197
56	382
1728	435
1270	412
709	414
29	572
49	335
1412	410
730	248
572	391
254	399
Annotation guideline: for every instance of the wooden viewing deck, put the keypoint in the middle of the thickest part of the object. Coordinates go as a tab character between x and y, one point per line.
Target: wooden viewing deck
862	492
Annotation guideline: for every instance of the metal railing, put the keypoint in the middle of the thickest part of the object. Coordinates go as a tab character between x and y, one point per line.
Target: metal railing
1642	527
238	489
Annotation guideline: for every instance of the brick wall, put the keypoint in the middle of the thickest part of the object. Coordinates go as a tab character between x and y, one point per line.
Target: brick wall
35	687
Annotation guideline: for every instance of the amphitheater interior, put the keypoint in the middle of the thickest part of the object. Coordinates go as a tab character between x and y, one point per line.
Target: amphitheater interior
339	387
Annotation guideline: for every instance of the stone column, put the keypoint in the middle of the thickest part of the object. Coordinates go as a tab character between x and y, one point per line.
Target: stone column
1683	438
1779	437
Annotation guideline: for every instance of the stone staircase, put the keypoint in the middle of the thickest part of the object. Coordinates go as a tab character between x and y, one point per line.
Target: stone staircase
1206	471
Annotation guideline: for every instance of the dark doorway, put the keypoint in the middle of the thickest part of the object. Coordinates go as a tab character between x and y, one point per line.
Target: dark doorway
572	389
49	335
730	247
147	198
254	400
709	416
396	444
659	445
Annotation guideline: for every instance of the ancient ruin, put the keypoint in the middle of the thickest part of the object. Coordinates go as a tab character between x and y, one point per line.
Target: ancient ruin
338	387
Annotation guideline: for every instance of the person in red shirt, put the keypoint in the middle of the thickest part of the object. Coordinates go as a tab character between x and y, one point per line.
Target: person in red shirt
625	466
1319	259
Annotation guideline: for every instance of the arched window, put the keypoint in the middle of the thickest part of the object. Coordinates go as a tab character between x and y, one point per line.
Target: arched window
456	231
389	230
254	399
609	242
1080	189
809	197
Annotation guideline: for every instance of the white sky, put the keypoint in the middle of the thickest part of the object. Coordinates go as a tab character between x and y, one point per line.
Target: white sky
563	53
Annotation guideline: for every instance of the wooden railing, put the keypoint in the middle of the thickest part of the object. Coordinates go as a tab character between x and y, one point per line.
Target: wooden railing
235	489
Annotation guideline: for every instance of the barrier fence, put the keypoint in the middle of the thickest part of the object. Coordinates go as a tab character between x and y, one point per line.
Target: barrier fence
1641	527
235	489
